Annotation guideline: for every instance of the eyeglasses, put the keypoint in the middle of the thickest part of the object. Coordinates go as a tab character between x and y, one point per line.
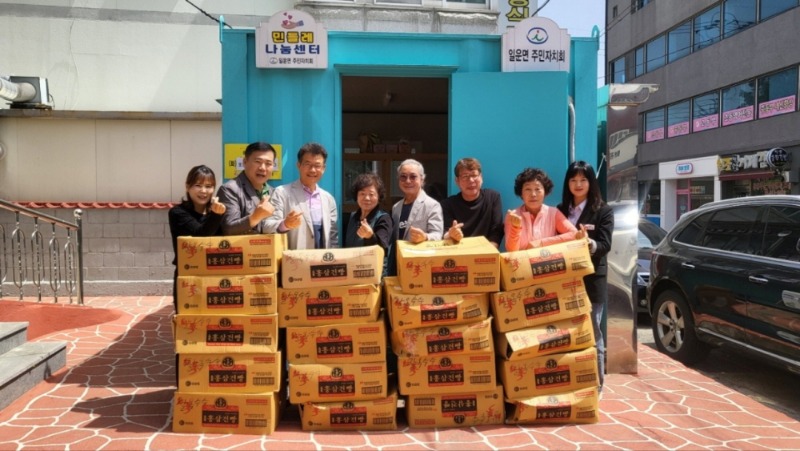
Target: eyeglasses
318	166
405	177
470	177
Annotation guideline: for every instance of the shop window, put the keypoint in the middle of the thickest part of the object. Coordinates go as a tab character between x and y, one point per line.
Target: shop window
618	70
782	233
739	15
771	8
654	125
706	28
679	41
738	103
678	119
701	192
705	111
656	53
777	93
639	58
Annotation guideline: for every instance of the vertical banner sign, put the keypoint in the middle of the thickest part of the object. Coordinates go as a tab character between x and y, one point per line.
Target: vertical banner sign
291	40
535	44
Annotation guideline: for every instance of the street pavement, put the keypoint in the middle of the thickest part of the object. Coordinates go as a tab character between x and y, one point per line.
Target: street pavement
117	389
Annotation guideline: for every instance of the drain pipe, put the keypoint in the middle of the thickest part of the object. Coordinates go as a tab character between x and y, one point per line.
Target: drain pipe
571	130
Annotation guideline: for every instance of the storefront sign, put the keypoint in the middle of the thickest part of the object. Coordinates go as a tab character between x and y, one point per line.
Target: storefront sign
535	44
654	135
679	129
684	168
776	107
738	115
291	40
706	123
513	12
774	158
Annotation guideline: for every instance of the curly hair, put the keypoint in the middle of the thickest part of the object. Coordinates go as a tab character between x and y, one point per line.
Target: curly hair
366	180
530	175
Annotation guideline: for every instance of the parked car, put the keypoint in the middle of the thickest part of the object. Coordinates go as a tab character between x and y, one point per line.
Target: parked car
650	234
728	273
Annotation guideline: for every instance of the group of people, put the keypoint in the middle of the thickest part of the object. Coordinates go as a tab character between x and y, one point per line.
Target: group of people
308	214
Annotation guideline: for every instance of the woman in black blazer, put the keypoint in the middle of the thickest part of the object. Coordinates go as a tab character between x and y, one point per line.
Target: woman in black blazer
583	204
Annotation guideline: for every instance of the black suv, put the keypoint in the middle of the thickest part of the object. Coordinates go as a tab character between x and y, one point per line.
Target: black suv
728	273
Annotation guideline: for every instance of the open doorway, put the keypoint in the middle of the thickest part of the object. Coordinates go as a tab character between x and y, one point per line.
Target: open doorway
386	120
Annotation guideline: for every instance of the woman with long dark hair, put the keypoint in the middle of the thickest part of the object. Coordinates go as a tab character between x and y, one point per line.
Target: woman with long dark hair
199	214
582	203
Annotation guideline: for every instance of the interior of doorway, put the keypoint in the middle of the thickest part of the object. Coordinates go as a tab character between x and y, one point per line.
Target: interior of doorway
386	120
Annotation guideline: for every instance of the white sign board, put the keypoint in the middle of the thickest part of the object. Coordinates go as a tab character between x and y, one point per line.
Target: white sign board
536	44
291	40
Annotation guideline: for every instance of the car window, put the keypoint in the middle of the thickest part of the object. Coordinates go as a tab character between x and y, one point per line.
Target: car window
733	229
692	232
782	233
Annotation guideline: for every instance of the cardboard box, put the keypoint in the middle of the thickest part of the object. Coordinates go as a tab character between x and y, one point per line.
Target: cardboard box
331	305
539	304
555	373
226	413
474	338
230	255
435	267
579	406
323	268
456	410
569	259
446	374
566	335
374	415
338	343
407	311
230	373
335	382
225	333
243	295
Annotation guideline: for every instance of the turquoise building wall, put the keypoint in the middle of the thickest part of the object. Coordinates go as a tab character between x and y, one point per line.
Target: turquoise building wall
508	120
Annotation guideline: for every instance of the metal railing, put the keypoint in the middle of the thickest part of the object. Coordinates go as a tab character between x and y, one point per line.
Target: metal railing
23	257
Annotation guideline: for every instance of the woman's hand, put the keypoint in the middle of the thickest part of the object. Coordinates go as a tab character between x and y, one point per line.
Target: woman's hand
365	231
581	234
514	219
216	206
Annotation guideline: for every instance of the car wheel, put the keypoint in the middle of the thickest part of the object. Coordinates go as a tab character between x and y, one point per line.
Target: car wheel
673	329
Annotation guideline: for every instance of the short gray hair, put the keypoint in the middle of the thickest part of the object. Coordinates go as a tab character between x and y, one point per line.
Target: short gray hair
412	162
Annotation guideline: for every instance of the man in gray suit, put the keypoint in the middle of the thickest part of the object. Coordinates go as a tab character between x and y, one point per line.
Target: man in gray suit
303	210
246	197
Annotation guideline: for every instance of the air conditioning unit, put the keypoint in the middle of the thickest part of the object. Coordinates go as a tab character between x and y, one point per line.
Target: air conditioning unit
37	94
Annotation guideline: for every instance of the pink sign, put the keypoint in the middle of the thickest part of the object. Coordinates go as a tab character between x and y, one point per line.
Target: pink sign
776	107
654	135
706	123
738	115
678	129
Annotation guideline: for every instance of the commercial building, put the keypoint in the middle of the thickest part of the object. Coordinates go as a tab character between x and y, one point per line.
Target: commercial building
722	118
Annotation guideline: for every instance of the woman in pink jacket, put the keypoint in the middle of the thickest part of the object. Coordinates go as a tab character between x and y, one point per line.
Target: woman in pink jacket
535	224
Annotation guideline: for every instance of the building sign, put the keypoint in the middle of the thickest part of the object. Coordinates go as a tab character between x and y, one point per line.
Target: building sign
678	129
738	115
654	135
513	12
775	159
535	44
705	123
291	40
776	107
684	168
233	160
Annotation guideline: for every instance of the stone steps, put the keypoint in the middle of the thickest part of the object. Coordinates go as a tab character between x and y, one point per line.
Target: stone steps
24	364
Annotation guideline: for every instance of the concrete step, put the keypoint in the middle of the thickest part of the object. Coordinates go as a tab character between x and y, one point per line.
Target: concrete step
12	335
26	365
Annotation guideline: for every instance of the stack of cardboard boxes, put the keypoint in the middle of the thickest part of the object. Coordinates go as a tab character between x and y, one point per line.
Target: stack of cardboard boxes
329	303
545	337
442	335
229	368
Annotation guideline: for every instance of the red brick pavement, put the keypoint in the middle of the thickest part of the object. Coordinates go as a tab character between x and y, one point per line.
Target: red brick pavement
116	393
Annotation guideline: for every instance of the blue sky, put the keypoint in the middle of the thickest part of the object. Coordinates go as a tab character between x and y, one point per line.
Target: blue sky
578	17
